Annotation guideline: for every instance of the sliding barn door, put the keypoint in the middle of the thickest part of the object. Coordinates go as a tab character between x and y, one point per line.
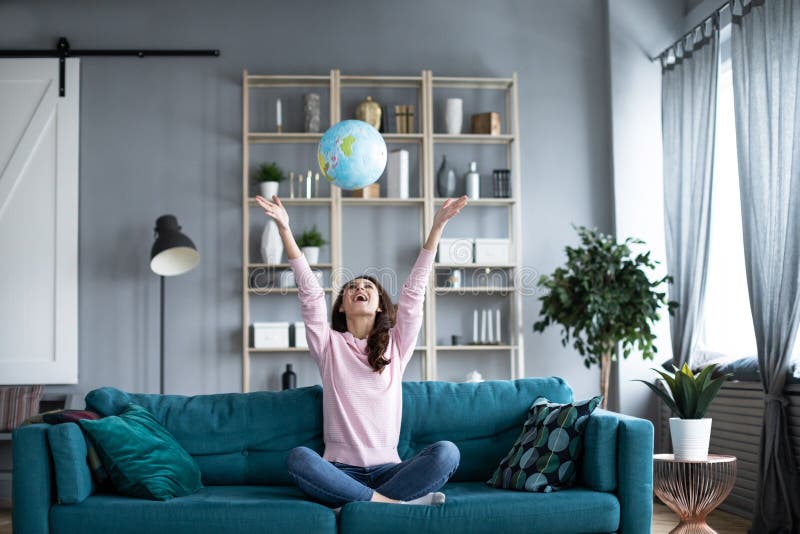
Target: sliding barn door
38	222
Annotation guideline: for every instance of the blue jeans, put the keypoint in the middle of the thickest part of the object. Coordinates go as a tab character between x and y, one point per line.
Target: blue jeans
335	484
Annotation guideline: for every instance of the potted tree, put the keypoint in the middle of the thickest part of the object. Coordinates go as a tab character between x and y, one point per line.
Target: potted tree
269	176
603	297
688	398
309	243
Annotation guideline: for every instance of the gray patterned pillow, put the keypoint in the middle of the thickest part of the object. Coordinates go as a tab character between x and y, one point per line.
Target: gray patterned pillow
546	454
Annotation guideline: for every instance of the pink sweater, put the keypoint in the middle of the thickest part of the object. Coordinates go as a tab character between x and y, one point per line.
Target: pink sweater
361	408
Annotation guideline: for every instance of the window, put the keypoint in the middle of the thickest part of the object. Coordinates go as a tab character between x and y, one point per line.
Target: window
727	329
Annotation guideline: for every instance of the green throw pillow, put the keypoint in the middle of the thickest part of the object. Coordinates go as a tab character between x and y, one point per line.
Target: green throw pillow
546	454
141	456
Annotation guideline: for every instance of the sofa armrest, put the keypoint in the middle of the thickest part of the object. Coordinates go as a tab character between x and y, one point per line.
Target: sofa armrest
32	479
618	458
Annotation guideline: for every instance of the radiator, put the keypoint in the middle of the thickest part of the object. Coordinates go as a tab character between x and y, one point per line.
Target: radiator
736	429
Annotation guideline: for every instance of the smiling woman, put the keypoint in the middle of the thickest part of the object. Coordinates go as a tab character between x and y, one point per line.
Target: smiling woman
365	309
362	355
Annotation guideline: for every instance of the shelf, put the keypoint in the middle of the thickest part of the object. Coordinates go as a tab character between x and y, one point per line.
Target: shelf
427	92
473	138
5	474
483	201
352	201
474	290
278	290
385	81
474	265
472	83
289	81
286	265
289	137
5	436
279	349
402	138
304	349
475	347
296	201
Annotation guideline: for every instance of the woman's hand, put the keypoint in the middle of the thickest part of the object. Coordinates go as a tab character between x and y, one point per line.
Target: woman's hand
449	210
275	210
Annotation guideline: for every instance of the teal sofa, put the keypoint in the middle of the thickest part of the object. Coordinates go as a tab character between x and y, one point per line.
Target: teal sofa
240	442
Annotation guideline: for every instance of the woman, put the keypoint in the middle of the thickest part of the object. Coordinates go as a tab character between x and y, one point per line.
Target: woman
361	357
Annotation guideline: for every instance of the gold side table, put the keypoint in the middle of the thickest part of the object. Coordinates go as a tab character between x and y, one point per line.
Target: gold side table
693	489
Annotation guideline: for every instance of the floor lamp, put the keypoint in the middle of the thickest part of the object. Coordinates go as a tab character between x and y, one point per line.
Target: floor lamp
172	254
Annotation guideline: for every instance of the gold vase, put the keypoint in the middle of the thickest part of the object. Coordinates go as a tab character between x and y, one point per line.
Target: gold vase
369	112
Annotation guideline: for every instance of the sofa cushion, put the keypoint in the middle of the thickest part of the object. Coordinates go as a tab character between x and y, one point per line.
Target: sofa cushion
547	452
474	507
235	438
211	510
481	418
73	478
142	458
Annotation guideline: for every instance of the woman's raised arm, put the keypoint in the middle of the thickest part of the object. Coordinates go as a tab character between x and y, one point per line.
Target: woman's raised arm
313	307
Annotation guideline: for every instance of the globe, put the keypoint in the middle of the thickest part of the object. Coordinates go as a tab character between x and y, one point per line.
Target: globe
352	154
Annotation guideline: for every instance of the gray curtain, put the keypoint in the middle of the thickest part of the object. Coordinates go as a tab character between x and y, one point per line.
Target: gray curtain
689	101
766	60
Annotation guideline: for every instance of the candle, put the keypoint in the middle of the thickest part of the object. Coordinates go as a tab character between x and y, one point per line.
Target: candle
475	327
278	112
308	185
291	184
491	332
483	326
499	334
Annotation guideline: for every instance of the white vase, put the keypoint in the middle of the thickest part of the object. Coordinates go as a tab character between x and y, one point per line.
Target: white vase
311	254
268	189
690	438
271	243
454	115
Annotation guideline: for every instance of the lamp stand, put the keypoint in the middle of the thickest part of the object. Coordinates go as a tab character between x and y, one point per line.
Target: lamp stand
161	337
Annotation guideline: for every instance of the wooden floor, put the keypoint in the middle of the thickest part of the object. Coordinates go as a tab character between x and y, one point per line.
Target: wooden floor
663	521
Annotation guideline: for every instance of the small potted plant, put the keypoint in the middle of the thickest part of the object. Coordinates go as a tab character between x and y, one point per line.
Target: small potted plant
688	398
269	176
309	243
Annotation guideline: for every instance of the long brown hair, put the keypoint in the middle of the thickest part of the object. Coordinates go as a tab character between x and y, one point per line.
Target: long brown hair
378	338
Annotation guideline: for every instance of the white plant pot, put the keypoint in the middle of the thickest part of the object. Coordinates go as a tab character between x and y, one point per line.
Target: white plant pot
311	254
268	189
454	115
690	438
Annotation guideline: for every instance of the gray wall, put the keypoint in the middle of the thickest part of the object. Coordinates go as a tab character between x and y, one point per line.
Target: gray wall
637	28
163	135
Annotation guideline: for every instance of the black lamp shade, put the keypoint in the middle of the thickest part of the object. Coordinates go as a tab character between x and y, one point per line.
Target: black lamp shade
173	253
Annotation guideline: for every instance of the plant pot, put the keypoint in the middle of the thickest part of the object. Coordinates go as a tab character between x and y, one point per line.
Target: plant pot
690	438
268	189
311	254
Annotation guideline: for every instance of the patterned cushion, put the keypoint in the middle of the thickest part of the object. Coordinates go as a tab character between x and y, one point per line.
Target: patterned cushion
544	458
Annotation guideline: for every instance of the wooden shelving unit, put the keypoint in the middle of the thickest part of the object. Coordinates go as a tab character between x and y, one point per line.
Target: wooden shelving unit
425	84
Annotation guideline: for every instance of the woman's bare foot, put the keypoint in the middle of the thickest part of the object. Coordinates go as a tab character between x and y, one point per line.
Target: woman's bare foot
377	497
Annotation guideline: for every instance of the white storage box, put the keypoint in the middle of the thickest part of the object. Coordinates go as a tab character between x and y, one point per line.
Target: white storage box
456	251
270	335
300	334
492	250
